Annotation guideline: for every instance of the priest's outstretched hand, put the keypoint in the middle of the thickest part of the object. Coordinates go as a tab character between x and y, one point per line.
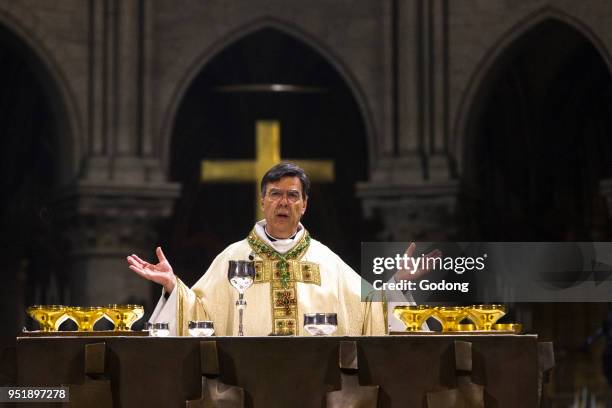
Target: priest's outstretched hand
412	272
160	272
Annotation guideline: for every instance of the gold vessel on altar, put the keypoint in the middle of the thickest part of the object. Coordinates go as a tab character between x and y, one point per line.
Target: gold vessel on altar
413	316
450	317
508	327
123	316
85	317
473	319
466	327
485	316
49	317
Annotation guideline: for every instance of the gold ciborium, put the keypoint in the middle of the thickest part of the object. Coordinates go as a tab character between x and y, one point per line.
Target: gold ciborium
49	317
450	317
413	317
86	317
123	316
485	316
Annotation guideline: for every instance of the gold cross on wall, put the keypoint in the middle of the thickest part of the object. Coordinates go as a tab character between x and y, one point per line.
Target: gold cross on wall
267	154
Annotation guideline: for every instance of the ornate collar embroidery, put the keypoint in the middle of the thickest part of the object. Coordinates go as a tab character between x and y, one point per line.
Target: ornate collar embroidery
265	251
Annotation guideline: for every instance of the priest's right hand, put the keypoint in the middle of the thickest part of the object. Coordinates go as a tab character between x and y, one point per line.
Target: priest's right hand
160	272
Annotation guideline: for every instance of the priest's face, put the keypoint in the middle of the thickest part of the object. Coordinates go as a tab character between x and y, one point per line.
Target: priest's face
283	206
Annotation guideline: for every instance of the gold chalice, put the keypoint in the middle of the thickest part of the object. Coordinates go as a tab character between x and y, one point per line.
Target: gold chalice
485	316
123	316
49	317
413	317
450	316
86	317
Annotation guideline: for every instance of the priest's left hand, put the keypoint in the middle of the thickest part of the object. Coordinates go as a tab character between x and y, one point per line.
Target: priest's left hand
413	273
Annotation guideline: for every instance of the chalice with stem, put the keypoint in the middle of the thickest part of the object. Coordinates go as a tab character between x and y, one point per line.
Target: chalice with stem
241	275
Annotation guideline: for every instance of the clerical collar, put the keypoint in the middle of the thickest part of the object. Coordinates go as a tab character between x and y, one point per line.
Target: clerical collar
272	239
279	245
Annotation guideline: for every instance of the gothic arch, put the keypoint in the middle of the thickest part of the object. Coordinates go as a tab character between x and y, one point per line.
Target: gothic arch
16	21
208	55
460	138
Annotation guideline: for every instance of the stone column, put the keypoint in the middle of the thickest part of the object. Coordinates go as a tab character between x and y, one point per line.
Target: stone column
106	222
422	211
113	208
413	194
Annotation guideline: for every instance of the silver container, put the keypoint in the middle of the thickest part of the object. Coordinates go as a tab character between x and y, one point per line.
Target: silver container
320	324
201	328
161	329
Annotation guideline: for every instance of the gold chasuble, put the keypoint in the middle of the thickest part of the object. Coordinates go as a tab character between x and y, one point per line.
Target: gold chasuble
292	278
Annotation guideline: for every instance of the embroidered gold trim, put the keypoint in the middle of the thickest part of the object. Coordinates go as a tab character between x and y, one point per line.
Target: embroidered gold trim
262	249
283	271
180	296
299	271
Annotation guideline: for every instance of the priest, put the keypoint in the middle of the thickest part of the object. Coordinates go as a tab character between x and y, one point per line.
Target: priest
295	274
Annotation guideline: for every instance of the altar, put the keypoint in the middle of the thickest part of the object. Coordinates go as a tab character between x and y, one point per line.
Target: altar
404	370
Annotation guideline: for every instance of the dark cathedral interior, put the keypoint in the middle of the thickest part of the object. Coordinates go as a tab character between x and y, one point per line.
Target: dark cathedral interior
445	120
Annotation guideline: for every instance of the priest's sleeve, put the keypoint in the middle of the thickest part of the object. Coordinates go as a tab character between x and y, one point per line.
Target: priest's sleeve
363	308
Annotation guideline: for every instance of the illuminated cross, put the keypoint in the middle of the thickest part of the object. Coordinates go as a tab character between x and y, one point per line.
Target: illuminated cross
267	154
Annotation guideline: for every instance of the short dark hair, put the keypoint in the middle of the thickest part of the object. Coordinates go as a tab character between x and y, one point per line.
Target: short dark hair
286	169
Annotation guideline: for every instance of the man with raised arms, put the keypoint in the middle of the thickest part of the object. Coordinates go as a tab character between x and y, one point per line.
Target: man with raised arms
295	274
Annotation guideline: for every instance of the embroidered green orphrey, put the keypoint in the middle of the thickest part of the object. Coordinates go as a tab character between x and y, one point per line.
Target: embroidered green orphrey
262	249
